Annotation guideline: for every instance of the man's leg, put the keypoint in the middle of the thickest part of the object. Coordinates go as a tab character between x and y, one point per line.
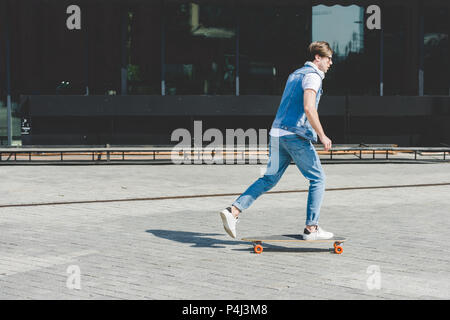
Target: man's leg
308	162
279	160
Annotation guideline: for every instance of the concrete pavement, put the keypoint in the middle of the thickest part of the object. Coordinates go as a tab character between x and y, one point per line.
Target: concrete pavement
177	248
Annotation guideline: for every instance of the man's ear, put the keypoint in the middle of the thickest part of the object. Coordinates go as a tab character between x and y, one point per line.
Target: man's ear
317	57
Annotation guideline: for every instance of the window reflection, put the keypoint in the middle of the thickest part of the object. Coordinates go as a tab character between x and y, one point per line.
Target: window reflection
190	47
355	51
144	49
273	42
343	27
200	49
436	56
400	64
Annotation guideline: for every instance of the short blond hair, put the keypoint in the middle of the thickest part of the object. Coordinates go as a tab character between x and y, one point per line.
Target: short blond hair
322	48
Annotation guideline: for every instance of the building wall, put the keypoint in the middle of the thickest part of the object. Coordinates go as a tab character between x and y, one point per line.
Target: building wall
157	50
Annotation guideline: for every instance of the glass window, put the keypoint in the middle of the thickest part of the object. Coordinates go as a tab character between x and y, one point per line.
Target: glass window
26	65
51	59
356	49
3	133
272	44
436	47
400	56
2	53
200	41
101	47
144	48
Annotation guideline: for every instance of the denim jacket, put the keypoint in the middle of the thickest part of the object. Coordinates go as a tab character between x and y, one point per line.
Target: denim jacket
291	114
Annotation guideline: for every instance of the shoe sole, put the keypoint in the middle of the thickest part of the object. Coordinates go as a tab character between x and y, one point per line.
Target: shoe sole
225	224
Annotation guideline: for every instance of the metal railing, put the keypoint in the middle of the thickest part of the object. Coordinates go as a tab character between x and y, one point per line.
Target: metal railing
235	155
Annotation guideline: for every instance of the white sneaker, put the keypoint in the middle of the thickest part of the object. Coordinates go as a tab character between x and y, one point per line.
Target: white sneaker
319	234
229	222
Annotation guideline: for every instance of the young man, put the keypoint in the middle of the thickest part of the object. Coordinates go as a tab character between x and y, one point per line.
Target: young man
295	126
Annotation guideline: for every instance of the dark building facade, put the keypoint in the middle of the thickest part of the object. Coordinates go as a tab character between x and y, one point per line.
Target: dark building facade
130	72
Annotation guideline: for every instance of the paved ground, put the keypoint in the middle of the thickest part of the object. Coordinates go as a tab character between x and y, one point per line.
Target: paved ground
176	249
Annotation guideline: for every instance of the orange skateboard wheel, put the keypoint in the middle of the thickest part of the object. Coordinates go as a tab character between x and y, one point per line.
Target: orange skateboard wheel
338	249
258	248
336	244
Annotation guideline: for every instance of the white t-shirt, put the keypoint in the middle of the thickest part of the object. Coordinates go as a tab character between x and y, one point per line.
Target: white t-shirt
310	81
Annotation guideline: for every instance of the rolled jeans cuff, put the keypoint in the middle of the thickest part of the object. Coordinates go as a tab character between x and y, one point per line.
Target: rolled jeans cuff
311	223
237	205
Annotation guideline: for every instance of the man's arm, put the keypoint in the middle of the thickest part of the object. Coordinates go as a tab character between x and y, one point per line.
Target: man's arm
309	102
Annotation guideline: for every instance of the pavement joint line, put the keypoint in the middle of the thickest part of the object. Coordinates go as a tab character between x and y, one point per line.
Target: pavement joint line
214	195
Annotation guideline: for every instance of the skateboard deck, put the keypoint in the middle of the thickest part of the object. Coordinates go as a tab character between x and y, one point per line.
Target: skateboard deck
257	241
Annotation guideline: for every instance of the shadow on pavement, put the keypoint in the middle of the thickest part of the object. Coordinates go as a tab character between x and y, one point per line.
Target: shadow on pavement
195	238
208	240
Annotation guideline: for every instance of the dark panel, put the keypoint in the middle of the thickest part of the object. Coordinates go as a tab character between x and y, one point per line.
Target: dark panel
228	105
394	105
406	121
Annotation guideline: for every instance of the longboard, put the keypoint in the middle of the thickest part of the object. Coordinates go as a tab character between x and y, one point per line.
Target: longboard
257	241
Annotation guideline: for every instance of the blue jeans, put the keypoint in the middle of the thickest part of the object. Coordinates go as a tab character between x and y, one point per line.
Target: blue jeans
281	151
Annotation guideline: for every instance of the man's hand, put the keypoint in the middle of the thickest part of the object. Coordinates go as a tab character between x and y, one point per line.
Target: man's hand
326	142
